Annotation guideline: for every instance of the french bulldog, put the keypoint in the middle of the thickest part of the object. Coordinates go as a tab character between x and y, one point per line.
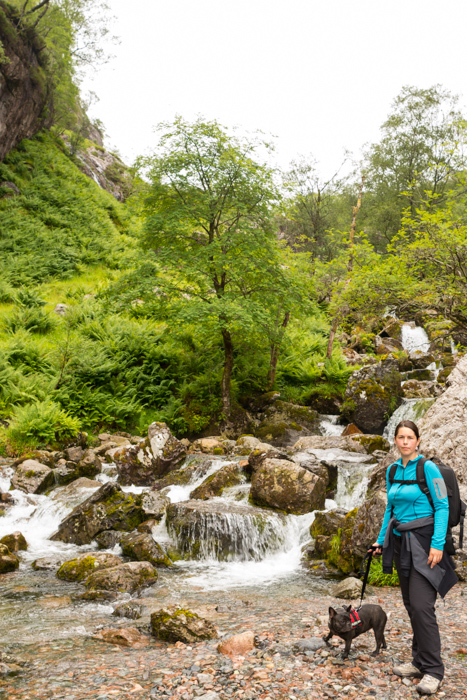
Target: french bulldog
371	616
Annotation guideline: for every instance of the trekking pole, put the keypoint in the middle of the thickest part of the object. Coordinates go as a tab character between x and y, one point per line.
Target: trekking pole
368	557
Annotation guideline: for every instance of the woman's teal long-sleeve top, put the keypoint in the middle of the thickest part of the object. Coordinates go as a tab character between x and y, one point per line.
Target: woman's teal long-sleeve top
407	503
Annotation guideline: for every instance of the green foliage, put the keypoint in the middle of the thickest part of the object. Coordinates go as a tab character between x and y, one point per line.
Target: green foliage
376	576
61	222
41	423
34	320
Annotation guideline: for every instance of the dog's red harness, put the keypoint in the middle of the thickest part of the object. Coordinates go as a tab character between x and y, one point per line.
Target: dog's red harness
354	619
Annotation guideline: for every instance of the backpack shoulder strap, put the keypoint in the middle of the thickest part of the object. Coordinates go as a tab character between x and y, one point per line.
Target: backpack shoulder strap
392	472
421	479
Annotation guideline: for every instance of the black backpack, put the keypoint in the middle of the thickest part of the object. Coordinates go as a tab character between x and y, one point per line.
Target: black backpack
456	506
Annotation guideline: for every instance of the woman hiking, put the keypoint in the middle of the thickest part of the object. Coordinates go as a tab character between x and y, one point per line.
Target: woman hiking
413	535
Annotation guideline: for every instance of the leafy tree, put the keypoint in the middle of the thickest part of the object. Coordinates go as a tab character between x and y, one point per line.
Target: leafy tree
210	227
422	149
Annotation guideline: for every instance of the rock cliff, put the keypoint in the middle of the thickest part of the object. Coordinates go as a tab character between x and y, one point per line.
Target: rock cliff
24	95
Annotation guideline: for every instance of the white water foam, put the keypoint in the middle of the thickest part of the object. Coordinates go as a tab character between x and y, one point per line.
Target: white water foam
410	409
329	425
414	338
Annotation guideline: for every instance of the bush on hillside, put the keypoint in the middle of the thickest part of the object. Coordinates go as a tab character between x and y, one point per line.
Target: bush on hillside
41	423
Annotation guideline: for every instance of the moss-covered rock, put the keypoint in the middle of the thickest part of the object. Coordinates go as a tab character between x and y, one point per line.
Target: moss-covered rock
326	523
372	395
84	565
287	486
15	542
142	547
109	508
125	578
33	477
372	443
214	485
284	422
176	624
8	560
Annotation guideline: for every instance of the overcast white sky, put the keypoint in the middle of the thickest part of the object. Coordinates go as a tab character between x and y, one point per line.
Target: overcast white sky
319	75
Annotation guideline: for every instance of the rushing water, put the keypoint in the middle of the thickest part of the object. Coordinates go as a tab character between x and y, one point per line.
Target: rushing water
414	338
35	605
410	409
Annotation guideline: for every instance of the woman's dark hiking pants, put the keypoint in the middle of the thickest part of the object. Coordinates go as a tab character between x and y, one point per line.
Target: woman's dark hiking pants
419	598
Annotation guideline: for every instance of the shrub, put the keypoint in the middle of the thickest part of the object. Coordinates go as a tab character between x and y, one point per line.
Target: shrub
34	320
41	423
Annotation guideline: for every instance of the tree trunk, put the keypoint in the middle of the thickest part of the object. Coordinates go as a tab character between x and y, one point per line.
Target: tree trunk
332	335
227	375
275	352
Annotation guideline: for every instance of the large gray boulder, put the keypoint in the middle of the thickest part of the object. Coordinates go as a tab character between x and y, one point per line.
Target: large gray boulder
107	509
372	395
33	477
147	462
282	423
444	426
287	486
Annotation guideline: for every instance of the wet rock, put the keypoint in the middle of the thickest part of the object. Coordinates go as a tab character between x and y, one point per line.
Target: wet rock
84	565
33	477
257	457
288	487
147	462
238	644
129	637
130	609
15	542
107	509
91	596
142	547
348	589
126	577
8	560
148	525
367	523
322	568
226	477
211	445
327	523
174	624
312	644
105	447
351	429
154	504
75	492
108	539
74	454
329	442
223	530
372	395
89	465
283	423
47	564
193	470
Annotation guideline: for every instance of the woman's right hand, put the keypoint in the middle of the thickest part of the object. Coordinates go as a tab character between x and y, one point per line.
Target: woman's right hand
376	549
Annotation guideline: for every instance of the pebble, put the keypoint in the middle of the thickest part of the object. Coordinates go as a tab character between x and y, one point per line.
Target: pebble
82	668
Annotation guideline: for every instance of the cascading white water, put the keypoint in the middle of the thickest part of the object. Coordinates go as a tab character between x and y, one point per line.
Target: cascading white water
329	425
414	338
410	409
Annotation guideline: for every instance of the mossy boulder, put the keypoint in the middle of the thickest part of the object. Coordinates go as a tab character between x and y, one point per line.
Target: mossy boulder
109	508
196	466
346	560
326	523
84	565
372	443
174	624
125	578
33	477
8	560
367	524
214	485
287	486
142	547
15	542
283	423
372	395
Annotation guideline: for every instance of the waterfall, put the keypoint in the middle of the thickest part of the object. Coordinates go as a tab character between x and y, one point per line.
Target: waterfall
414	338
410	409
329	425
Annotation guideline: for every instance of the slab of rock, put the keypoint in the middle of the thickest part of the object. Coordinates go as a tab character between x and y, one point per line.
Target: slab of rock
327	523
130	609
154	504
8	560
444	426
33	477
211	445
125	637
107	509
15	542
329	442
284	485
109	538
372	394
74	454
147	462
214	485
75	492
312	644
174	624
238	644
82	566
348	589
284	422
142	547
126	577
367	524
47	564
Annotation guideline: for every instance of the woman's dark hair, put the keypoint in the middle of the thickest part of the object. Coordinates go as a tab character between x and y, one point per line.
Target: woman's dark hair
407	424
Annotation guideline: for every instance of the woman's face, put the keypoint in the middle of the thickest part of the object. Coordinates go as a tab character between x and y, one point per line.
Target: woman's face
406	441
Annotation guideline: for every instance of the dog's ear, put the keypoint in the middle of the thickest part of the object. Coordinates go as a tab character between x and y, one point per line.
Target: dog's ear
332	612
348	608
